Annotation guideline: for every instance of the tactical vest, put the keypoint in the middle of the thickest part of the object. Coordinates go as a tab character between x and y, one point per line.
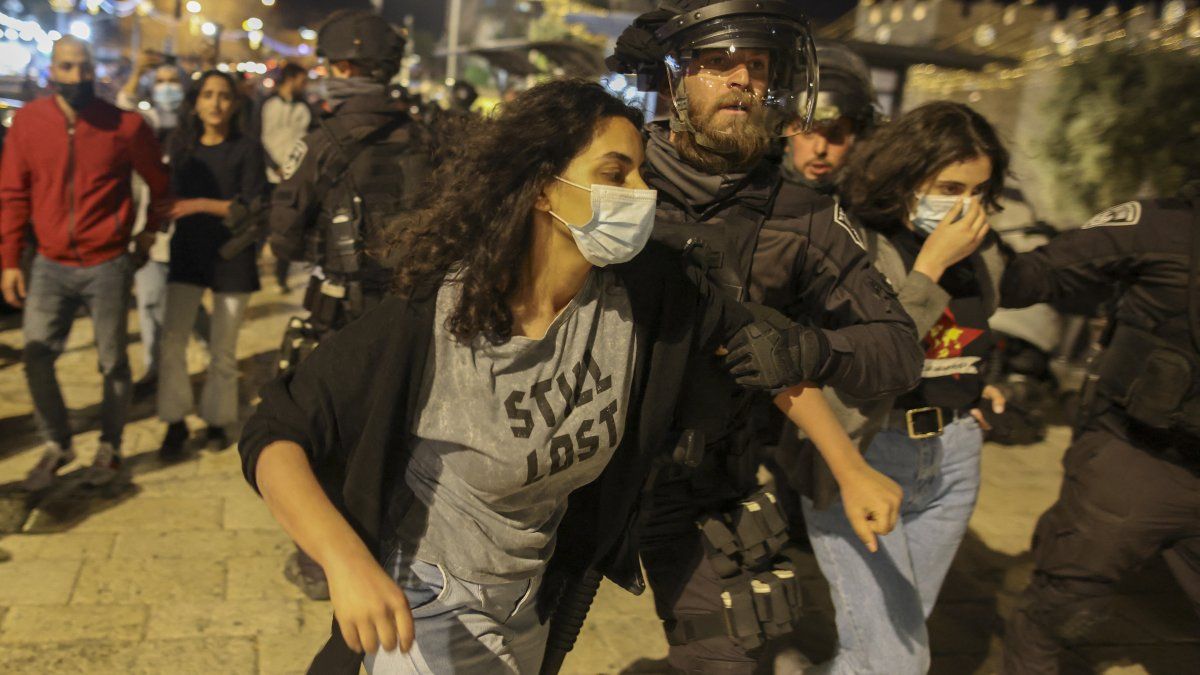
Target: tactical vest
750	252
749	249
371	179
1152	371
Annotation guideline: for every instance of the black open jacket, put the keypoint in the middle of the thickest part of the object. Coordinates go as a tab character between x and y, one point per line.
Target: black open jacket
350	406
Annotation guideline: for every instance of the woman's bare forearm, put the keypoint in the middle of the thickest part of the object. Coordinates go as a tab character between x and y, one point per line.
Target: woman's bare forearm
295	498
807	408
871	500
217	207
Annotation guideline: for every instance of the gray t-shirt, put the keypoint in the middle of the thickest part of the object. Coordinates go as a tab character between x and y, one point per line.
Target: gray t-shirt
504	433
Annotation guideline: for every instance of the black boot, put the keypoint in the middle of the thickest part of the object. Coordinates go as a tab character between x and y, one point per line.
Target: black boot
216	439
172	445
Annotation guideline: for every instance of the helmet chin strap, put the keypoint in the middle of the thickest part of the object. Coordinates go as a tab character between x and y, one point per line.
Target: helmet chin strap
681	121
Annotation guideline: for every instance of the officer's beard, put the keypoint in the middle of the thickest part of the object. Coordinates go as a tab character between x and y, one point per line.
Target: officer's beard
724	143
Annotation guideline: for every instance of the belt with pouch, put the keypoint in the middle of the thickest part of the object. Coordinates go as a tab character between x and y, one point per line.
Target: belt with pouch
924	422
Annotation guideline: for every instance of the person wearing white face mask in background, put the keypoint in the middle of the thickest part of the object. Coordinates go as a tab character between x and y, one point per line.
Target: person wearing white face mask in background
537	345
922	186
165	95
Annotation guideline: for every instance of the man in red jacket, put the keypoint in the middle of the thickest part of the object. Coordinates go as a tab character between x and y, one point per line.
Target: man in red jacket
66	170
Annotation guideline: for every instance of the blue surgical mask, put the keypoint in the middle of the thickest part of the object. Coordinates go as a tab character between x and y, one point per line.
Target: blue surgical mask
167	96
932	209
622	219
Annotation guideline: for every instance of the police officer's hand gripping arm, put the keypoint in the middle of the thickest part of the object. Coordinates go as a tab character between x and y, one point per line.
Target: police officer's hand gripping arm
874	349
774	353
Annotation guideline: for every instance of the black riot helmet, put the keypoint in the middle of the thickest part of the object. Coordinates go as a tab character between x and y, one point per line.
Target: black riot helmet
845	88
462	95
661	47
361	37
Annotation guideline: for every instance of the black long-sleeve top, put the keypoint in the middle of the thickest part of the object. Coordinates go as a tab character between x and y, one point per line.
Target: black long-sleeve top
230	170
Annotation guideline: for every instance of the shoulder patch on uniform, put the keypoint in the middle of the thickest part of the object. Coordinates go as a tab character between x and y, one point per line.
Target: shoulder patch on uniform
840	217
297	154
1129	213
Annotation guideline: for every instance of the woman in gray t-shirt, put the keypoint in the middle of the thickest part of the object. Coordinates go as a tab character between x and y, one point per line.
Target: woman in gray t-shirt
536	359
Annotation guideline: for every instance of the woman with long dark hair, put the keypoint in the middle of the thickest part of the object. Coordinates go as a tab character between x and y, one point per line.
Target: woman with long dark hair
425	455
923	187
213	163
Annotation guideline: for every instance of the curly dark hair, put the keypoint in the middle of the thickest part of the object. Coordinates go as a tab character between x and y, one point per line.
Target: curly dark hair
186	137
476	215
882	172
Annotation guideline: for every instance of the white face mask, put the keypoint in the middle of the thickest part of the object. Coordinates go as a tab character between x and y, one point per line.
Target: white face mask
167	96
931	209
622	220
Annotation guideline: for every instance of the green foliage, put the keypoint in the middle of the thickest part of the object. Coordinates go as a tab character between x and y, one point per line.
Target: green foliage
1121	125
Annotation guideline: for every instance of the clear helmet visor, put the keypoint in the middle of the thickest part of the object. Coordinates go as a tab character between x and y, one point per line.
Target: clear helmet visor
752	69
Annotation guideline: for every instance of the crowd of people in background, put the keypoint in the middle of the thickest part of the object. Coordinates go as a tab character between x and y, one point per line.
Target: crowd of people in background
572	302
136	195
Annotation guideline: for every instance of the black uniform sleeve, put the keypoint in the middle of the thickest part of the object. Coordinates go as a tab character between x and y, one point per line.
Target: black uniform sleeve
294	204
1081	266
875	350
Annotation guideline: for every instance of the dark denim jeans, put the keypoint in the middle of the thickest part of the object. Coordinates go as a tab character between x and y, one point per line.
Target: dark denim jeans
56	292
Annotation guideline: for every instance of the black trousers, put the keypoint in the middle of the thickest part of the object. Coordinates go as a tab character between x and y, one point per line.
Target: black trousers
1122	502
684	582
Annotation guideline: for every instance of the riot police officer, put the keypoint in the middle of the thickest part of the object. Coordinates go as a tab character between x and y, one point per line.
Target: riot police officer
846	110
1132	483
710	538
462	96
363	163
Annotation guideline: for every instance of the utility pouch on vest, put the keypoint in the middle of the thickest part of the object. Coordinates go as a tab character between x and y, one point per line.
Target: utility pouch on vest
299	340
747	537
1150	380
323	299
777	600
343	242
755	608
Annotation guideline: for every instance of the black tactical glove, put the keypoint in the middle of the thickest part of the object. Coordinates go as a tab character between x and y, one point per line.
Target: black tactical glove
773	353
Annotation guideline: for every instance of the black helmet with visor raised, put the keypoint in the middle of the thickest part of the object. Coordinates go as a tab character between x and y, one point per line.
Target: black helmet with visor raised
722	34
845	89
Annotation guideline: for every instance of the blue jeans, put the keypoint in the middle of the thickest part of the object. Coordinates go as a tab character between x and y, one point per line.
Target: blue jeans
463	627
56	292
883	599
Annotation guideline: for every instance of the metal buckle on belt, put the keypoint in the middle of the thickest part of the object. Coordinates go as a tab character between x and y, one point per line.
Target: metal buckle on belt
910	417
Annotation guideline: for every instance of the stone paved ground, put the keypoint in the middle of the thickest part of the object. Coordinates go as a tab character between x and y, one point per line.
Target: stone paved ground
179	571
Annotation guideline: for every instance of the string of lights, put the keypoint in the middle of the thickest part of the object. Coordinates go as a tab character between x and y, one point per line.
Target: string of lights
252	30
1004	31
